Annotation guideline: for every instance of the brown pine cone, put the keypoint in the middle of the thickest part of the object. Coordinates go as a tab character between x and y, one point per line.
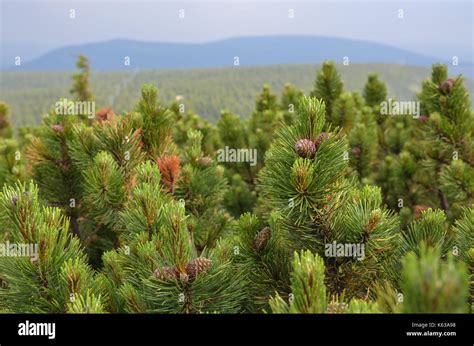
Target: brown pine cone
104	114
419	209
305	148
165	273
205	161
262	238
321	138
356	151
197	266
447	86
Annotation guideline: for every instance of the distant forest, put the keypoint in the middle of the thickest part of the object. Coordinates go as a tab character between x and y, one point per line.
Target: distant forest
204	91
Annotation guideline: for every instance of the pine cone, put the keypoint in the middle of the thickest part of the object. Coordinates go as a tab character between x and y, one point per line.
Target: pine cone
356	151
197	266
14	200
321	138
305	148
261	239
104	114
205	161
447	86
58	128
165	273
419	209
423	118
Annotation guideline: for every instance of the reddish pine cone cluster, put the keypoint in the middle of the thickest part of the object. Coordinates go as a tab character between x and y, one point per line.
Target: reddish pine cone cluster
356	151
169	168
193	269
307	148
447	86
58	128
104	114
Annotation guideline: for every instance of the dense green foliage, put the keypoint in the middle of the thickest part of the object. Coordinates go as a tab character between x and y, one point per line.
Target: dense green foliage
326	204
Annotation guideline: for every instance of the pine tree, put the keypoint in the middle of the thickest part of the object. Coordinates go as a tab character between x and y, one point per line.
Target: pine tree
344	112
289	100
464	245
12	165
262	254
81	89
134	213
363	145
234	134
307	286
239	198
5	123
53	277
328	86
184	120
256	134
158	268
443	290
320	206
201	188
375	91
52	166
309	291
448	141
264	121
155	124
426	162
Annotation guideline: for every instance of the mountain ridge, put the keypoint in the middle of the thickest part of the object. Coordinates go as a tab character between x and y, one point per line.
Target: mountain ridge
251	50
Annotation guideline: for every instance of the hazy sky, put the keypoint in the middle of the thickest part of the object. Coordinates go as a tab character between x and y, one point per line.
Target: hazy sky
433	28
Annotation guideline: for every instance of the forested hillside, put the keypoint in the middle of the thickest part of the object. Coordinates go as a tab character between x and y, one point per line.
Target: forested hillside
205	91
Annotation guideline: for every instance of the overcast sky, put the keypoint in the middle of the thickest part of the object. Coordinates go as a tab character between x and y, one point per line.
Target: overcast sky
434	28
